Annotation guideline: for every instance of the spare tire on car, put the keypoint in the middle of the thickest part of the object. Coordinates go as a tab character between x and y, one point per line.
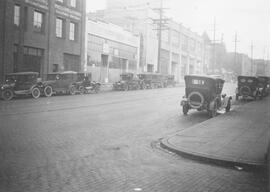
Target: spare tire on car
195	100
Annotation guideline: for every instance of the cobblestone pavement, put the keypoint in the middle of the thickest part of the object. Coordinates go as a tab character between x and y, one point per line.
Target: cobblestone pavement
105	142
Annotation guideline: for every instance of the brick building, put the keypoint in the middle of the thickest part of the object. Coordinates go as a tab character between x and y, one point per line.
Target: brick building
41	35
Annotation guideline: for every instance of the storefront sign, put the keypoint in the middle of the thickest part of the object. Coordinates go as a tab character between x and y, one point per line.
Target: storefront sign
38	3
67	12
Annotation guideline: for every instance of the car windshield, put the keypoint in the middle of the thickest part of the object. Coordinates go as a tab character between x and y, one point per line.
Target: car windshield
126	77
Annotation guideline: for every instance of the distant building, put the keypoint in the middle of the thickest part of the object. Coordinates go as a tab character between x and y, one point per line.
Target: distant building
111	50
41	35
262	67
182	51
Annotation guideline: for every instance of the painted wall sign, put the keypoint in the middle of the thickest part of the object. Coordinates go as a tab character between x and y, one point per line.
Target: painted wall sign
67	12
38	3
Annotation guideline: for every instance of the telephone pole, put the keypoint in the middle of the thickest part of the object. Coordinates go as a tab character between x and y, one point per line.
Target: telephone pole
214	44
251	55
161	26
235	47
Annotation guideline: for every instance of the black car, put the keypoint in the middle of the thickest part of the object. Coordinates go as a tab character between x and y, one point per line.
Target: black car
64	82
169	81
85	84
248	87
129	81
151	80
21	83
204	93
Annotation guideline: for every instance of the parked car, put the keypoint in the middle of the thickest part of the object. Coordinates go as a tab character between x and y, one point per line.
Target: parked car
151	80
85	84
248	87
169	81
64	82
263	84
129	81
21	83
204	93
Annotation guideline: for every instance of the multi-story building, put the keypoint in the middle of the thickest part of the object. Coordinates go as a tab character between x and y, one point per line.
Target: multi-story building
182	51
111	50
41	35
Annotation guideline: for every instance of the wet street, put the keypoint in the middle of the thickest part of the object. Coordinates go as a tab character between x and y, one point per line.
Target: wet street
106	142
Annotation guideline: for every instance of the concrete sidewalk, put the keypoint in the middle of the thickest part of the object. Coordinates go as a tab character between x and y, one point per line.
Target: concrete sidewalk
238	138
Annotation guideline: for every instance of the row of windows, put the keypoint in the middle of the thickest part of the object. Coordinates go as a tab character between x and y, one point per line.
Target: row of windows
39	24
72	3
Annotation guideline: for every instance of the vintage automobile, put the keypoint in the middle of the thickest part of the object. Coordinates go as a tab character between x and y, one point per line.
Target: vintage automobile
263	84
21	83
204	93
64	82
248	87
151	80
169	81
85	84
129	81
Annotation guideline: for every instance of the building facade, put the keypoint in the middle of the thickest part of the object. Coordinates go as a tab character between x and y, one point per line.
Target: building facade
111	50
182	51
41	35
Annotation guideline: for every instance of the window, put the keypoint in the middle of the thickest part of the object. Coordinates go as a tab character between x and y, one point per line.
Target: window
198	82
59	28
55	68
73	3
38	21
72	31
17	15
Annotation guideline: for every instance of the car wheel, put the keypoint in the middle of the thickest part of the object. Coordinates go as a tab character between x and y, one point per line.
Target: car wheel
81	90
228	107
185	109
7	94
72	90
35	92
126	88
97	88
48	91
213	112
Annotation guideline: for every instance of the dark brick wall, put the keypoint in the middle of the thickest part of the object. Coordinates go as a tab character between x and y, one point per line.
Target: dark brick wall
53	47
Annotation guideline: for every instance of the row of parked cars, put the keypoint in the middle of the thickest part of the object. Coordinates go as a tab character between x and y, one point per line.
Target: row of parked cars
131	81
205	92
29	83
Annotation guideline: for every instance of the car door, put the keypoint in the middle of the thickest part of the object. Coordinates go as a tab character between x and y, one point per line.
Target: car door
24	82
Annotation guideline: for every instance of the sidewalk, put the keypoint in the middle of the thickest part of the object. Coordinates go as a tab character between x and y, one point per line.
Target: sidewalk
238	138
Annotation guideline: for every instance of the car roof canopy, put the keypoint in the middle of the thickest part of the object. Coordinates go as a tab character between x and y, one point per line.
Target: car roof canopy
213	78
23	73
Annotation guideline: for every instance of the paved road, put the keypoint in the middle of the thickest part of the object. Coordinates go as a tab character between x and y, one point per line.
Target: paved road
105	142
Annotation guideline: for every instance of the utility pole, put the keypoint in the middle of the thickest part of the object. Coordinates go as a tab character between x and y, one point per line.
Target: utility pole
251	55
214	44
235	47
161	26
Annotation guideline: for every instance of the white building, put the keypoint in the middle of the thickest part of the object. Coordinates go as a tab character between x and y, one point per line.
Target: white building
111	50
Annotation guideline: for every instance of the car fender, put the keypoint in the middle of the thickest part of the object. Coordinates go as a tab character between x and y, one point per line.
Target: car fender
184	101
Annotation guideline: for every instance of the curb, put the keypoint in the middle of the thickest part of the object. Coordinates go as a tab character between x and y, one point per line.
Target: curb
211	159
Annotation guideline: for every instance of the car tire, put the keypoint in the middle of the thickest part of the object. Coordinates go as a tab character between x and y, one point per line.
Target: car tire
7	94
35	92
97	88
126	88
48	91
72	90
228	107
185	109
81	90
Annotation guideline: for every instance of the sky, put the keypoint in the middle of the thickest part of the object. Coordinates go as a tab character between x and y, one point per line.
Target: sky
249	19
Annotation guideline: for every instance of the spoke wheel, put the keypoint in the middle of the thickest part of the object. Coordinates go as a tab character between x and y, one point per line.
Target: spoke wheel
7	94
48	91
35	92
81	90
72	90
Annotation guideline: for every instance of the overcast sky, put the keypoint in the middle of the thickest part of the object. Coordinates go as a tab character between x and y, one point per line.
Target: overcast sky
249	18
